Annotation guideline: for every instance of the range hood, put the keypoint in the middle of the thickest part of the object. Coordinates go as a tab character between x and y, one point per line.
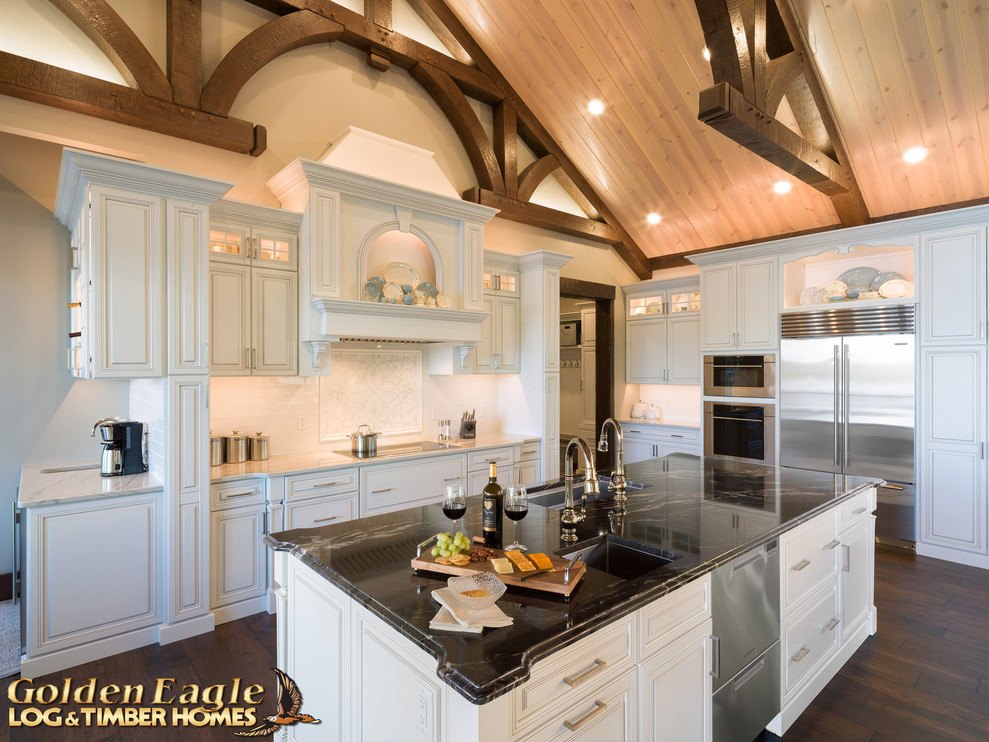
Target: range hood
341	319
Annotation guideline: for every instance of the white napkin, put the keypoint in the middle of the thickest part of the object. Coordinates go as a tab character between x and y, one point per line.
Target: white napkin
474	621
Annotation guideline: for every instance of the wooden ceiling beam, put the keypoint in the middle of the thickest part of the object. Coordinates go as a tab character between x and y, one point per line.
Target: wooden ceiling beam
440	31
259	47
536	173
72	91
506	144
119	43
544	217
379	12
184	39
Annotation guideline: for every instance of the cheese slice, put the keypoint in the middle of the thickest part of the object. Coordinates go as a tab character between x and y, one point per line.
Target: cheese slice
502	566
525	565
542	561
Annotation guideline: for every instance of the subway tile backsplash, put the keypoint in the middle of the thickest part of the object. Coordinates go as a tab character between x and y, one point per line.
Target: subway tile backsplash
287	408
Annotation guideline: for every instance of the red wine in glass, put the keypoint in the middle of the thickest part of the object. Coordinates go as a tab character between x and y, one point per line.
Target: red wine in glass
516	508
516	513
457	512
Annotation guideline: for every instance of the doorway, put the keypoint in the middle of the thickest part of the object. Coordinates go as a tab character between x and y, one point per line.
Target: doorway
586	363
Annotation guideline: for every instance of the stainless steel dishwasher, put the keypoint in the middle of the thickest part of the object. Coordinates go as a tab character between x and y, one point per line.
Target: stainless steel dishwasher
745	608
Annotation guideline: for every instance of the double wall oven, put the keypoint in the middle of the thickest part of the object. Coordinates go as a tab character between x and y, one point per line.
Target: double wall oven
740	430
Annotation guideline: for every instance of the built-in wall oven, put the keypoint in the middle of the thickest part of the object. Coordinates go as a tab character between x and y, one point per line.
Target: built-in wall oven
740	376
740	431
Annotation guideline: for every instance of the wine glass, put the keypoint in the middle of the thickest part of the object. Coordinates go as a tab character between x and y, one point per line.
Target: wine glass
454	504
516	508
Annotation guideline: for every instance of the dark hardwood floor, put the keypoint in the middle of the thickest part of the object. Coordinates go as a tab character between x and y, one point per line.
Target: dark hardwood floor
923	678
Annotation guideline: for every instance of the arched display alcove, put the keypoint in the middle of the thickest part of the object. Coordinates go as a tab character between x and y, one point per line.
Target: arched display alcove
388	243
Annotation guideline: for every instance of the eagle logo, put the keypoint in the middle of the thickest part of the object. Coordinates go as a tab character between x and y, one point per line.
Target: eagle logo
289	703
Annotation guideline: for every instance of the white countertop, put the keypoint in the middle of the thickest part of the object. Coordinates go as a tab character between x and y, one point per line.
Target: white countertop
277	466
41	486
690	424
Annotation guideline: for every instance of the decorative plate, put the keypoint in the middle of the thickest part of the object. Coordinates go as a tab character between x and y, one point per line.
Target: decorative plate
834	288
894	288
392	293
868	295
401	273
428	289
654	307
376	279
372	291
883	278
859	278
807	296
442	300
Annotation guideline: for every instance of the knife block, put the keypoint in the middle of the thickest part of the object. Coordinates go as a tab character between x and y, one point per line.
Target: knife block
468	429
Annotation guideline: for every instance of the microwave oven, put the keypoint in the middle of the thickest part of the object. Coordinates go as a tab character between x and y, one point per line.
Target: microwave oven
740	376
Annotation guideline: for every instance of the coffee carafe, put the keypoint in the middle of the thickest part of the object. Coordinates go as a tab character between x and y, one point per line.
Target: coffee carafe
123	447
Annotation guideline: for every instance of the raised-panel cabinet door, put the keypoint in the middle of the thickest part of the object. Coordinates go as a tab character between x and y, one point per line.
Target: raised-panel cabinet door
238	556
758	313
588	326
638	449
683	350
953	499
275	323
128	261
718	308
528	472
229	319
953	286
675	690
857	568
508	335
188	287
484	351
645	351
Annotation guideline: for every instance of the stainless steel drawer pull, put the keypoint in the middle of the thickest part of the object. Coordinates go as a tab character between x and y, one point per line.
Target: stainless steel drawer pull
846	558
749	674
833	544
323	520
326	484
453	479
573	726
834	622
574	680
804	563
801	654
378	492
240	494
675	435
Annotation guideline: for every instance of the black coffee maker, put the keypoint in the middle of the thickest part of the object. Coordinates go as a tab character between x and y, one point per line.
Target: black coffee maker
123	447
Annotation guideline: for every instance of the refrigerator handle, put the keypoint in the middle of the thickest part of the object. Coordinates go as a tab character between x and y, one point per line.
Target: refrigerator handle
846	375
836	402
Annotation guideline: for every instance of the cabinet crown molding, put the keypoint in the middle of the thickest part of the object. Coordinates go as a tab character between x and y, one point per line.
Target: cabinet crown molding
228	210
543	259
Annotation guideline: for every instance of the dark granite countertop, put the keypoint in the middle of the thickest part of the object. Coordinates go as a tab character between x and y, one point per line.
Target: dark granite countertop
677	511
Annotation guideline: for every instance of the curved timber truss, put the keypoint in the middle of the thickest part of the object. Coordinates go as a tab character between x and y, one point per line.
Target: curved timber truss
175	102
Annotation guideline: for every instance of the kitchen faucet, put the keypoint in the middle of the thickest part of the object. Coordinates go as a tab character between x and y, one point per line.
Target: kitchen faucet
617	484
570	517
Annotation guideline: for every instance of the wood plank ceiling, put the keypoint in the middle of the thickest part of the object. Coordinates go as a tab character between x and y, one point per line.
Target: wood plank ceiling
897	73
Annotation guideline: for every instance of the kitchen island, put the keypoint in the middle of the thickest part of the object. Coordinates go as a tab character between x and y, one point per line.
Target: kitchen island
623	657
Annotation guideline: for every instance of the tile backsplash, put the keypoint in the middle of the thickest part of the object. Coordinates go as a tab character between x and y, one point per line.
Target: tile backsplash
362	386
147	405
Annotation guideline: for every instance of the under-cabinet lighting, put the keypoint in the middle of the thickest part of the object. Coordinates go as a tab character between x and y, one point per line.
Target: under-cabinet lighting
915	154
782	186
595	106
653	218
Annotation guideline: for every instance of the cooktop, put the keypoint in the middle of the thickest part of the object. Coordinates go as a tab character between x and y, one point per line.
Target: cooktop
401	449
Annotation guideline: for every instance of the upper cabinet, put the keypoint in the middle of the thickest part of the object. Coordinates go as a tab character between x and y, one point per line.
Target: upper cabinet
132	225
953	301
662	332
498	351
253	296
740	310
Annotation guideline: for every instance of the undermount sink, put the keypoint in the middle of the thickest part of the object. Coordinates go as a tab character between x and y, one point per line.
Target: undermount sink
553	499
620	557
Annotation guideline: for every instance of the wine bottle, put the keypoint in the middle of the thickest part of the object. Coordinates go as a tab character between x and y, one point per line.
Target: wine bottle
491	517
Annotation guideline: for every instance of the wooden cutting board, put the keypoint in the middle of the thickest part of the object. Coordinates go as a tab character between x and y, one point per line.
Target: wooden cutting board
551	582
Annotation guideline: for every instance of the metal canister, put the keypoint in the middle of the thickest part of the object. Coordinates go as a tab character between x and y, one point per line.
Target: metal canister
217	449
236	448
258	445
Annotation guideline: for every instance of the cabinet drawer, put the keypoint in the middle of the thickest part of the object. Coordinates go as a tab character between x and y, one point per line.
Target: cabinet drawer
856	508
320	511
408	484
563	678
609	713
811	636
810	557
680	437
529	452
237	493
478	460
668	618
323	483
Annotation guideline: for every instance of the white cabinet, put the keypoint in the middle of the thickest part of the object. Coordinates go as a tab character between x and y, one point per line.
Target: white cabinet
321	499
610	714
74	614
477	468
649	441
406	484
675	690
528	469
498	351
238	556
662	332
740	309
235	236
953	286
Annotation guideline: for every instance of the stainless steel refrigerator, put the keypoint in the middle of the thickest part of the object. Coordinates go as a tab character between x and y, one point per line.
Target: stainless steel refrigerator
847	404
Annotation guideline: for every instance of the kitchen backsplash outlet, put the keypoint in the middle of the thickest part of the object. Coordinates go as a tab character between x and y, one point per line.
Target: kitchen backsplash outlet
279	406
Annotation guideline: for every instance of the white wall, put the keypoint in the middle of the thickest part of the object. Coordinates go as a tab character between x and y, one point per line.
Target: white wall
47	415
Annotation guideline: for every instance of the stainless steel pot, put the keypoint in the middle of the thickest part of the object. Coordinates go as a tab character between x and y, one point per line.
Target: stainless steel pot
364	444
258	445
217	450
236	448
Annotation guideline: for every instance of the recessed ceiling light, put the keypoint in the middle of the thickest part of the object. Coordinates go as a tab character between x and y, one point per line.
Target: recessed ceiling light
653	218
915	154
595	106
707	54
782	186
